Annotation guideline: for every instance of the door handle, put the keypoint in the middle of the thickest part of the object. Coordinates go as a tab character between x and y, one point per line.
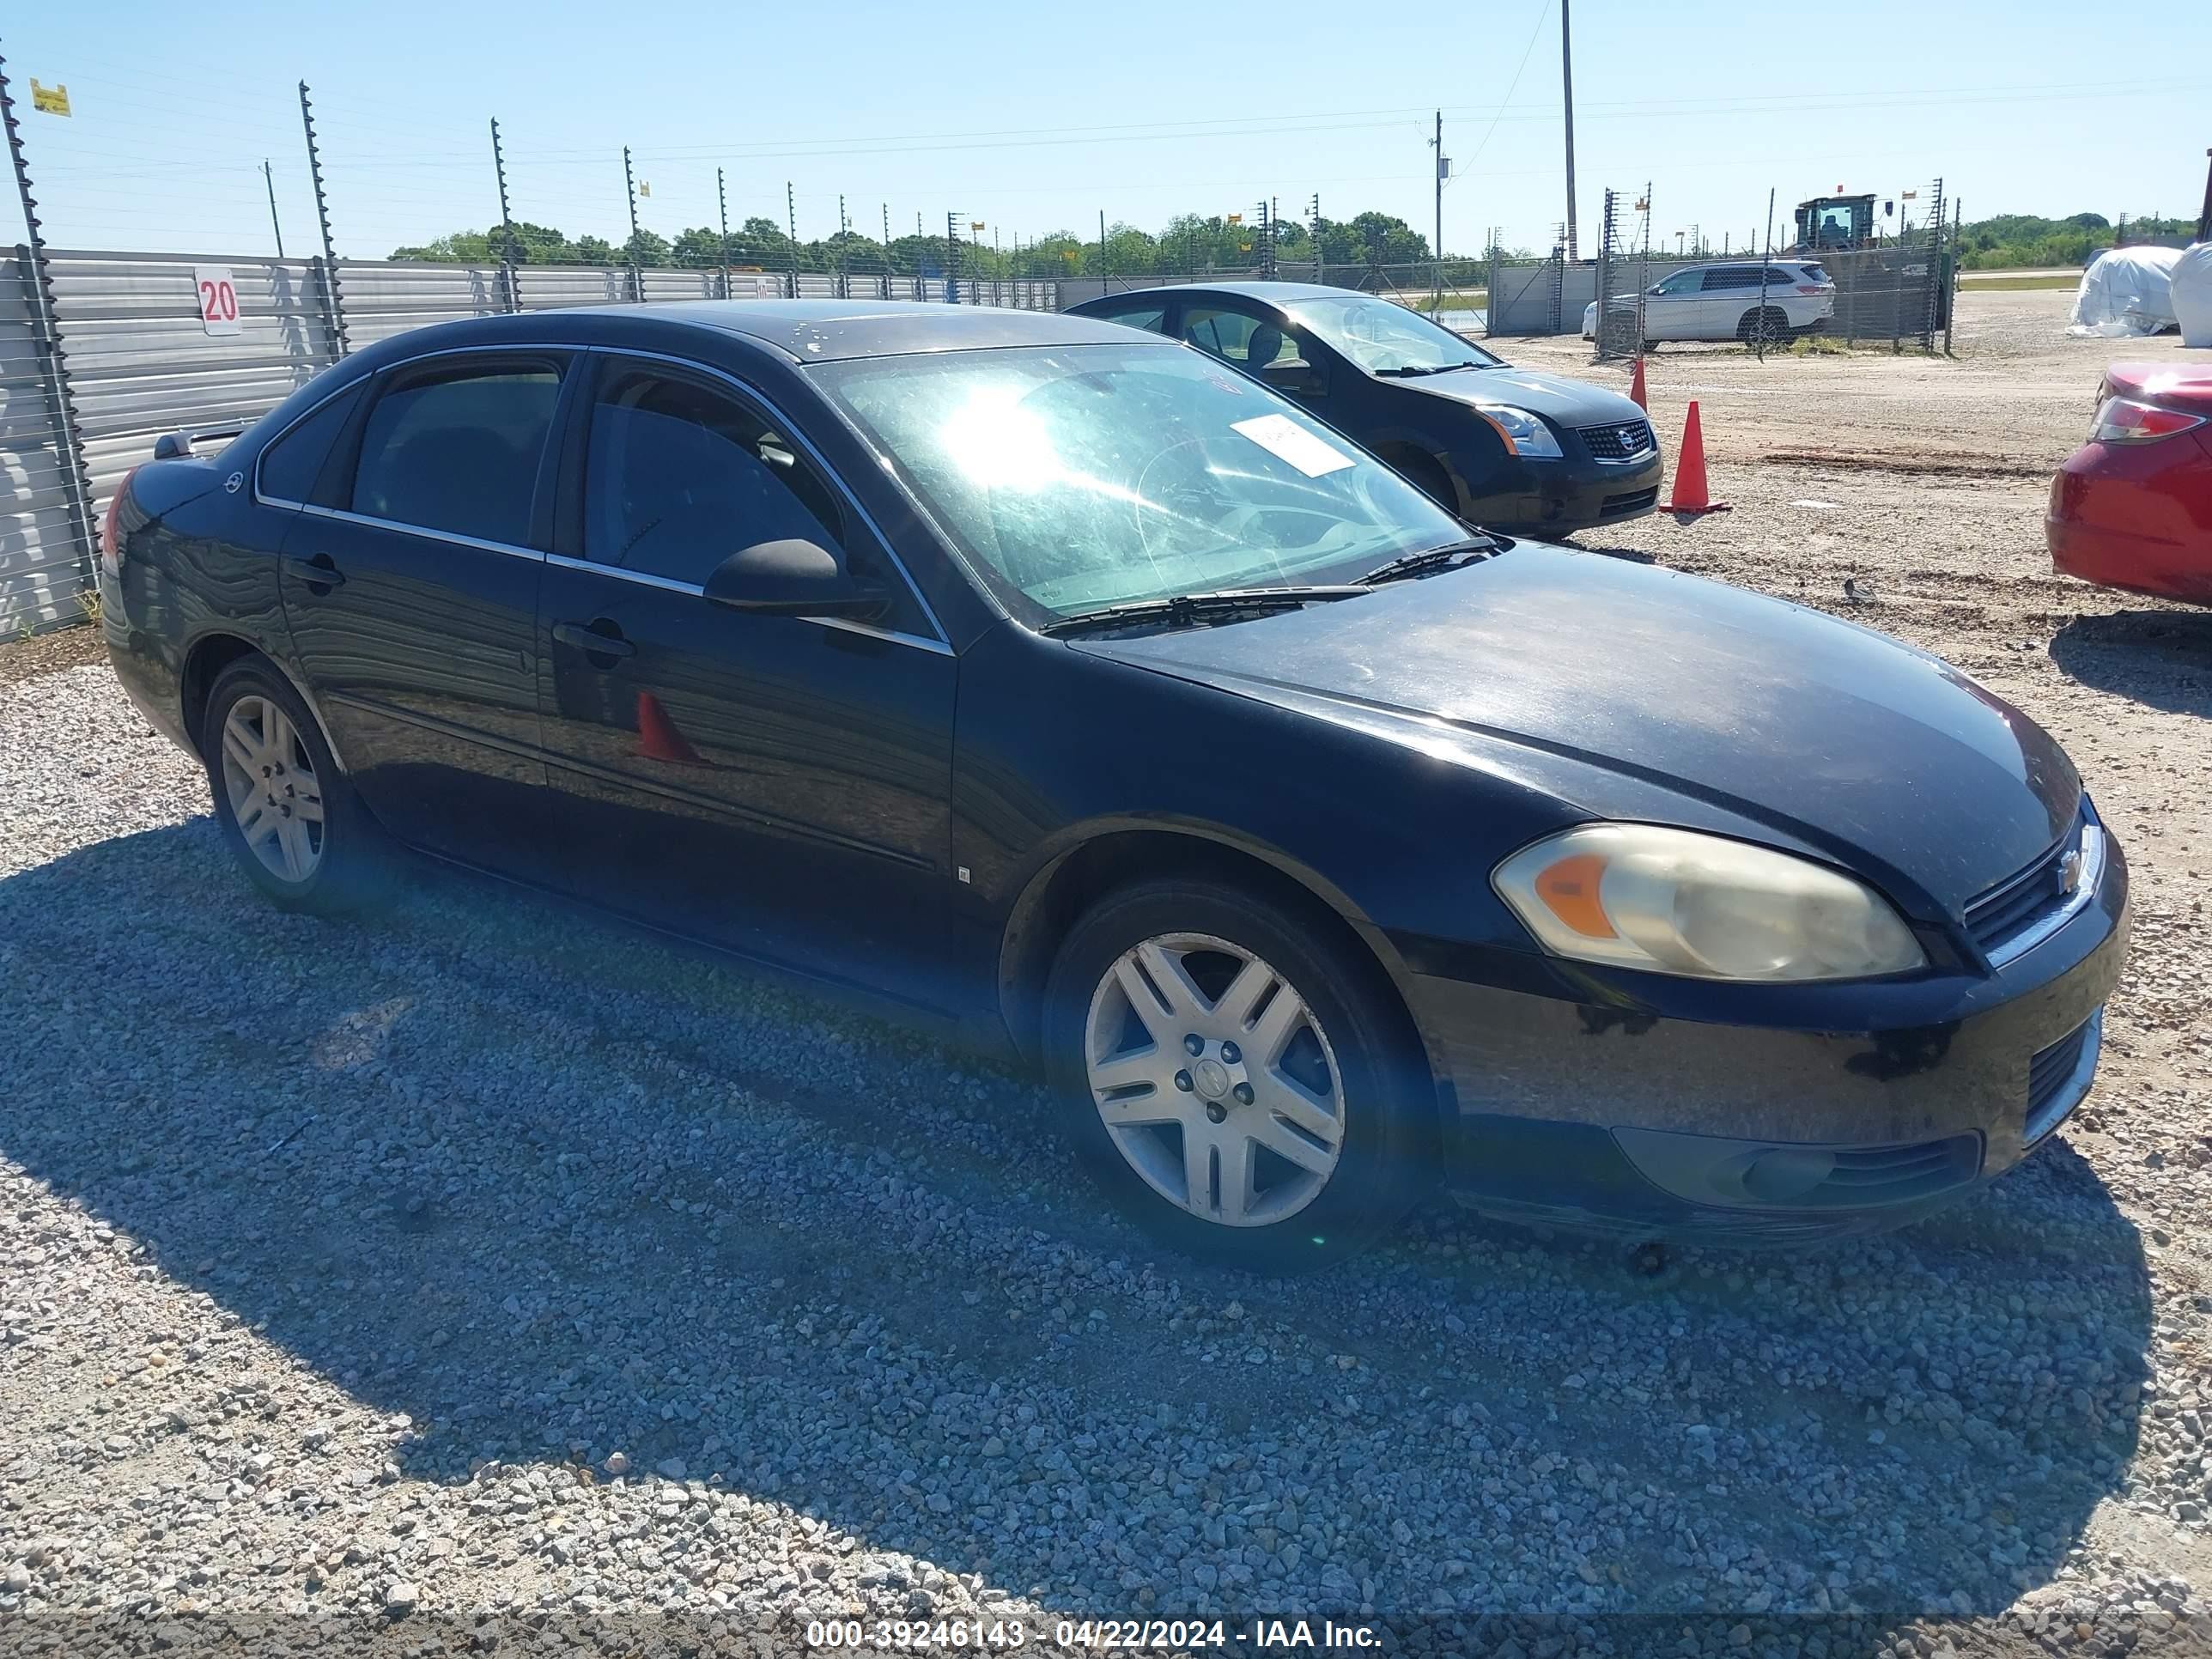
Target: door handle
591	642
317	571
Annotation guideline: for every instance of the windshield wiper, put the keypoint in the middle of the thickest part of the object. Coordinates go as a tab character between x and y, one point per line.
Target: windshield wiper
1182	609
1435	558
1406	371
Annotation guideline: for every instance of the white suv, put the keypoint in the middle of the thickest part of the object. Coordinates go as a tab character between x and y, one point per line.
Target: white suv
1724	303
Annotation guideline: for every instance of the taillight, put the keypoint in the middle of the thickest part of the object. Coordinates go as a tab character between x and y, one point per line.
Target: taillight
1812	287
111	545
2125	420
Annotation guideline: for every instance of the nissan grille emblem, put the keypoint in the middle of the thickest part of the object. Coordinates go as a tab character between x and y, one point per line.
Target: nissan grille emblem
2069	873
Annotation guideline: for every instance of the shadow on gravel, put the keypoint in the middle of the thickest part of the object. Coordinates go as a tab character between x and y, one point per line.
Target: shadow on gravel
555	1194
2160	658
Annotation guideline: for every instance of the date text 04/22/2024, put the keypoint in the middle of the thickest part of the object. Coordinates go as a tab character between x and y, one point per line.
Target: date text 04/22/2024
1088	1635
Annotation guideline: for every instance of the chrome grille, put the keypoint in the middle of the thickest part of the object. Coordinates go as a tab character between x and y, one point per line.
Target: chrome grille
2012	913
1620	442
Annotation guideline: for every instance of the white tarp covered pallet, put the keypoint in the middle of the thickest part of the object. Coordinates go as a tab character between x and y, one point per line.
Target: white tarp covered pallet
2126	291
2193	294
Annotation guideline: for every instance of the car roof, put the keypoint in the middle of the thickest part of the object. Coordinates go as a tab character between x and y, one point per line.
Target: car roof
795	331
1279	293
831	330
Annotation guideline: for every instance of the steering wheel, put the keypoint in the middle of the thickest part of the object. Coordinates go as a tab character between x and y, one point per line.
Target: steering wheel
1179	486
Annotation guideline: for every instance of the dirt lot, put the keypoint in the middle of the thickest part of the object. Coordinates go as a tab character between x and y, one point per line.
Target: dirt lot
466	1275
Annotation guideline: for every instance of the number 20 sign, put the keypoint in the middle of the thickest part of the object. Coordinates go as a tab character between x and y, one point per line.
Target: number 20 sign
218	300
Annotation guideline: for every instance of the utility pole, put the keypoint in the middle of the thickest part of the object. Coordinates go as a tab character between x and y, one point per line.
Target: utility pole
629	183
887	250
1313	213
269	179
333	295
951	260
722	201
1567	88
1443	167
844	229
1102	270
506	222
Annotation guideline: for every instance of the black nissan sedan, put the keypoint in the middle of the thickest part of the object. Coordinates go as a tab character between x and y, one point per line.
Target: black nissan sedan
1512	449
1043	679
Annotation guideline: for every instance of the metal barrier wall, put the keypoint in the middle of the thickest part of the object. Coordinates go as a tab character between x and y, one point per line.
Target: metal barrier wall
139	344
42	540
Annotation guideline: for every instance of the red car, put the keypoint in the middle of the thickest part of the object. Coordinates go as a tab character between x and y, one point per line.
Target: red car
2132	507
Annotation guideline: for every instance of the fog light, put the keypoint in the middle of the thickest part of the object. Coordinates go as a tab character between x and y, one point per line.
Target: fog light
1787	1173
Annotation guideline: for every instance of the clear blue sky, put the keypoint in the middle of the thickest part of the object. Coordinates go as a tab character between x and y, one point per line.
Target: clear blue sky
1034	117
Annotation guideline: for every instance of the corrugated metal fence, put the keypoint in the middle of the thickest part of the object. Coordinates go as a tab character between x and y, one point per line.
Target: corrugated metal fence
129	355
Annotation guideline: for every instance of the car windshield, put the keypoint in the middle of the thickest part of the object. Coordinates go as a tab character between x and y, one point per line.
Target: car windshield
1384	337
1090	476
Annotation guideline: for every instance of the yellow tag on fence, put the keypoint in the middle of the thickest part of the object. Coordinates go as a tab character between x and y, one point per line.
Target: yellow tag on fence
54	101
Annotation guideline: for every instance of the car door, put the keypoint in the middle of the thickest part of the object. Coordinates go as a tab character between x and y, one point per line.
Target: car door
779	785
1672	310
409	586
1729	291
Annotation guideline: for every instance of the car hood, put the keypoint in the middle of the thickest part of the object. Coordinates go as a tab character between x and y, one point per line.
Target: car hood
1830	735
1570	403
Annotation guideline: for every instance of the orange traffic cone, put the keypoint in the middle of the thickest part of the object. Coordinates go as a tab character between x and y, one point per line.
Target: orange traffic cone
1690	496
1636	393
658	739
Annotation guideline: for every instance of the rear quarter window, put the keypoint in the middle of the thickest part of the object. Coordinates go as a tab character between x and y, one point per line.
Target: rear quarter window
292	463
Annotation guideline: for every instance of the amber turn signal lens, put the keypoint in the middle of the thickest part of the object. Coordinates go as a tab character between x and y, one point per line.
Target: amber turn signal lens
1569	890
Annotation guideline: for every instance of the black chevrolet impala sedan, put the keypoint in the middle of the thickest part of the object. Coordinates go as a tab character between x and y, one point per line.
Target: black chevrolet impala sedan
1054	683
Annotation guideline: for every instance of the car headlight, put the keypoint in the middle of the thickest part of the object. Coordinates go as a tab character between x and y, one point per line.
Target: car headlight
1525	434
1675	902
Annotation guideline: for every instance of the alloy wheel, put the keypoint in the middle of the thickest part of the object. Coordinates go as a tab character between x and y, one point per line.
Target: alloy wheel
270	781
1214	1079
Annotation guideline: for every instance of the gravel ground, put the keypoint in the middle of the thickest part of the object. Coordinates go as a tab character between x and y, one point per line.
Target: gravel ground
461	1272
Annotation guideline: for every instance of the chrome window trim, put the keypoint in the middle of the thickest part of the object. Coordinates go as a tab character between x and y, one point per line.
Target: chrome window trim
458	540
693	590
2092	878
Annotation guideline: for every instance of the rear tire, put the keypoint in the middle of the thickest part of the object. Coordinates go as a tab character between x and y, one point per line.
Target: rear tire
1296	1154
1771	324
289	816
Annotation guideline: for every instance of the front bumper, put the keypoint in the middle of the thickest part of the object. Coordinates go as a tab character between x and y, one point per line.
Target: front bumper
1685	1109
1558	498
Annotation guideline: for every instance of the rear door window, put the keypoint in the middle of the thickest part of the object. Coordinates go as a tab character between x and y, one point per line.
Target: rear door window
457	449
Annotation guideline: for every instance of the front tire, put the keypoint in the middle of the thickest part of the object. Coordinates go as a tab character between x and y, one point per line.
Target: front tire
1235	1085
1427	475
288	815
